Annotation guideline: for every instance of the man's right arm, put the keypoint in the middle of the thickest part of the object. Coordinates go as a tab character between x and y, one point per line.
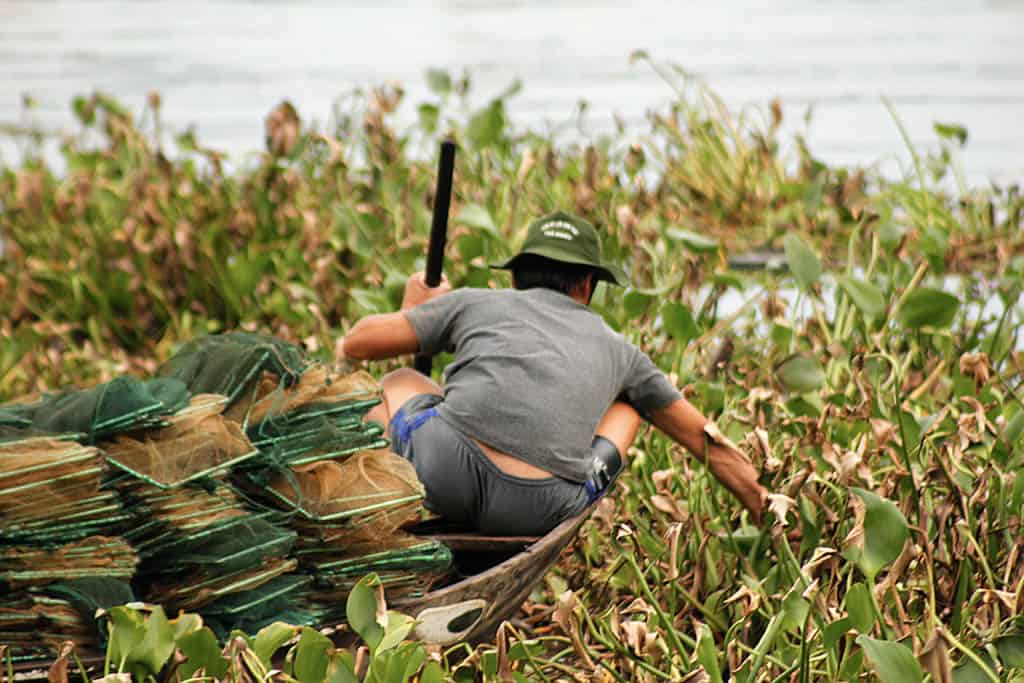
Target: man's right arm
387	335
375	337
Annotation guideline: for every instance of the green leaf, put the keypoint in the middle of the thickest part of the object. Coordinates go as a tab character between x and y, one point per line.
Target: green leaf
834	632
341	668
398	628
417	655
311	656
635	303
486	126
813	194
439	81
127	629
931	307
429	114
969	672
909	429
781	335
1014	428
893	662
802	261
476	216
432	673
201	651
1011	650
728	280
470	246
522	650
693	241
186	624
885	532
794	609
712	396
679	321
951	131
138	644
860	609
361	610
707	654
800	374
158	644
84	109
272	638
865	296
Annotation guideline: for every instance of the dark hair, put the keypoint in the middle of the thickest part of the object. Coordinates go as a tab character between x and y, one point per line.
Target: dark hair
530	271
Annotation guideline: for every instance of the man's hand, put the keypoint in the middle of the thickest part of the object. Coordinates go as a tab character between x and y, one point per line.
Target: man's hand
417	292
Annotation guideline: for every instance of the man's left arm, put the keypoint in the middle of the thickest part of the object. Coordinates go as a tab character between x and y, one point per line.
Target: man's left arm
685	425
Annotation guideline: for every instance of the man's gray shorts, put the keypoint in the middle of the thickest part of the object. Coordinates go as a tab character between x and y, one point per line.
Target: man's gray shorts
463	484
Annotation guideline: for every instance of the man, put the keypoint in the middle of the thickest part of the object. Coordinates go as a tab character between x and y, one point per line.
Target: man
543	398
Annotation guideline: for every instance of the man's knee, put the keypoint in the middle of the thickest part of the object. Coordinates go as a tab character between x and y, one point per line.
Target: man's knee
620	425
402	384
399	377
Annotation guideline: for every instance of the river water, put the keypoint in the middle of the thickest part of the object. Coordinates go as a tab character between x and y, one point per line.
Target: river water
221	65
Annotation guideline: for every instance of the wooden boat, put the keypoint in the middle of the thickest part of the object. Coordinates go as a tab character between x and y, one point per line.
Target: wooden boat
498	574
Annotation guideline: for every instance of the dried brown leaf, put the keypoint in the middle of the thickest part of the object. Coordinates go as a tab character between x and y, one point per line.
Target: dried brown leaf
672	536
669	506
282	129
637	636
780	505
751	599
976	366
934	658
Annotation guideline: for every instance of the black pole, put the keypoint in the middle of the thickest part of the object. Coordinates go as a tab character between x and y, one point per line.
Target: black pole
438	229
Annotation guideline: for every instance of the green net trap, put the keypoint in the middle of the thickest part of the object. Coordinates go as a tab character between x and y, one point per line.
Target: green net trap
243	484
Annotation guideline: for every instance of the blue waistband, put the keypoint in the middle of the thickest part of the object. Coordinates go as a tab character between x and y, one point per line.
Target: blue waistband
403	426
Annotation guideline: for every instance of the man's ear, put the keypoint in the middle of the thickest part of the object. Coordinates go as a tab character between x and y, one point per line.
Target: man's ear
590	285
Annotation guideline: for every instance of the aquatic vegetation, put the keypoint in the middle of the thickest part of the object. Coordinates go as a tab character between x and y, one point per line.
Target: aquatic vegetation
868	359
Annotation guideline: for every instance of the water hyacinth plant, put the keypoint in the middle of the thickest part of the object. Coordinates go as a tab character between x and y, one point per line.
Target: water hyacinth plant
859	336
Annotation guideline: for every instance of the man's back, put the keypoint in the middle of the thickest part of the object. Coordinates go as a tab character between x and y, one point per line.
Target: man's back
534	372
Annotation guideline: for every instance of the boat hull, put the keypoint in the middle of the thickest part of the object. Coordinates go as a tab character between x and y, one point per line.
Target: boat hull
472	609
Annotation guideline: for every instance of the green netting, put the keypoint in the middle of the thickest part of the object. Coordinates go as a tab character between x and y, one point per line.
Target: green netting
104	503
48	533
235	547
375	485
318	391
281	599
95	556
13	425
120	404
244	601
168	543
195	443
193	595
242	461
424	556
228	364
50	490
179	511
35	623
315	440
88	595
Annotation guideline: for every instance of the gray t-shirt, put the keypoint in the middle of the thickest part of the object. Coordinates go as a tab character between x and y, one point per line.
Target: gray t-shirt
534	372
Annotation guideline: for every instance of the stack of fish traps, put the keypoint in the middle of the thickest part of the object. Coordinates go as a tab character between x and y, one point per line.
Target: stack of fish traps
242	484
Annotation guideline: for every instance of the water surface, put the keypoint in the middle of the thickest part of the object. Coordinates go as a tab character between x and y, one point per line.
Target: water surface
221	65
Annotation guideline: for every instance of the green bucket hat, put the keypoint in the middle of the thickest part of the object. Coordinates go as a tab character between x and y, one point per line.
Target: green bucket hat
560	236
